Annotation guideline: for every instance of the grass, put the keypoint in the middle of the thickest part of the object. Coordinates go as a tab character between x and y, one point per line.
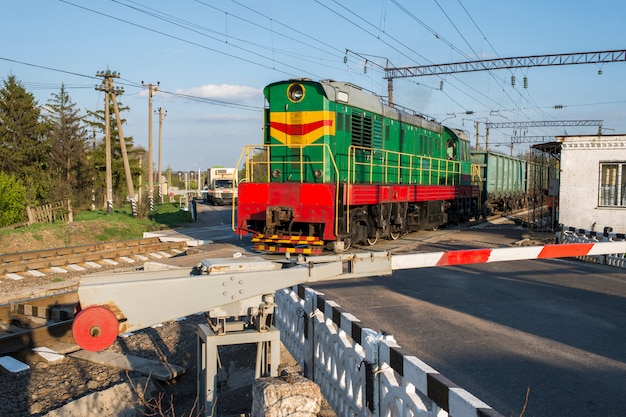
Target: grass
123	225
100	226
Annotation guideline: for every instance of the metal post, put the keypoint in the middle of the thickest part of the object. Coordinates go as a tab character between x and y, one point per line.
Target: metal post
207	364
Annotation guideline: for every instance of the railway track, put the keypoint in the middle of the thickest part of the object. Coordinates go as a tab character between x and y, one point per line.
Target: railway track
37	322
82	258
47	320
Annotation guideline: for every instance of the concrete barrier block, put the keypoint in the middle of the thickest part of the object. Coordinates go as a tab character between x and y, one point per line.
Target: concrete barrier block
293	396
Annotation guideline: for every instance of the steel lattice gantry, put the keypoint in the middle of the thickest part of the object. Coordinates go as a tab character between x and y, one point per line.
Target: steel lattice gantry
512	62
543	123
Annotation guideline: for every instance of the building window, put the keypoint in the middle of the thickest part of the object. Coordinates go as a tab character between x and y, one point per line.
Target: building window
612	184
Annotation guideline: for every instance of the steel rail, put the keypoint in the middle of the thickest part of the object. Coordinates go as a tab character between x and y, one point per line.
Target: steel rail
49	258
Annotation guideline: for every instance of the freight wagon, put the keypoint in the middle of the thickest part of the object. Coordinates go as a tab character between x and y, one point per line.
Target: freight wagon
503	181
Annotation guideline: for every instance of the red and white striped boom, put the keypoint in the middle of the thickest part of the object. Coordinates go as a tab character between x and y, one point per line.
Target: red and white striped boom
477	256
119	303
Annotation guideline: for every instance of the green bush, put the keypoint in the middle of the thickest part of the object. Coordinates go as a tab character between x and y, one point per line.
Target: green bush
12	200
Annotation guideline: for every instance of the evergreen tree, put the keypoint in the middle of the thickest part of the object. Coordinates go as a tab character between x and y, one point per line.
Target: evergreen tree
69	169
24	148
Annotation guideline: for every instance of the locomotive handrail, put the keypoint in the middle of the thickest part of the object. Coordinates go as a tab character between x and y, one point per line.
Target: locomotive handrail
476	179
450	170
250	163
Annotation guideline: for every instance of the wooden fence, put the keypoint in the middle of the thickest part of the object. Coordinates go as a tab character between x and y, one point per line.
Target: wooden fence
49	213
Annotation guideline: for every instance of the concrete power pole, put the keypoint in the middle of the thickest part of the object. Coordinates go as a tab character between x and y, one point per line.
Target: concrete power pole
161	117
151	90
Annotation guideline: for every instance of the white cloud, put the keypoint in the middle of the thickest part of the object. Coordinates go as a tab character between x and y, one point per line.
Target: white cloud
226	92
231	117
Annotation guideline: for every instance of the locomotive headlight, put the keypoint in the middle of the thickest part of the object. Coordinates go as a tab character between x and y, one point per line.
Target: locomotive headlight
317	173
276	173
295	92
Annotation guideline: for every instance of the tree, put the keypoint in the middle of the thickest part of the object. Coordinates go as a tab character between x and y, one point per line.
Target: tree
24	148
98	156
70	171
12	200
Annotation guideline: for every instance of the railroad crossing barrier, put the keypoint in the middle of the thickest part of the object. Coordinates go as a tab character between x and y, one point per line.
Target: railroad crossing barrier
360	372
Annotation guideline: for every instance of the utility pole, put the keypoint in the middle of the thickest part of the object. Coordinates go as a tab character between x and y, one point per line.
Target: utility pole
111	93
151	90
107	138
477	124
161	117
129	178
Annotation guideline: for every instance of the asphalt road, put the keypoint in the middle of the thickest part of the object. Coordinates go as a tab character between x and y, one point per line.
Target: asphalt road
214	223
555	327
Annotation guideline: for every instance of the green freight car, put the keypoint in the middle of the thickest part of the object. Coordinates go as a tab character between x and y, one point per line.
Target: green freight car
503	181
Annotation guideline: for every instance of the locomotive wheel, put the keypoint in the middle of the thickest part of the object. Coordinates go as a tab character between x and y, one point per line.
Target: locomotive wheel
371	241
394	235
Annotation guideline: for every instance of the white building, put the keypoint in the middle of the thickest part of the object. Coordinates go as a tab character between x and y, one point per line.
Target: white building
592	191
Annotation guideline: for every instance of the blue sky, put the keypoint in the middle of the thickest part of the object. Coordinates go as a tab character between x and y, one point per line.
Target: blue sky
213	58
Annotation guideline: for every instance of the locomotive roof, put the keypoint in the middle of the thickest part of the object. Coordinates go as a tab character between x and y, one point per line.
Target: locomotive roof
340	91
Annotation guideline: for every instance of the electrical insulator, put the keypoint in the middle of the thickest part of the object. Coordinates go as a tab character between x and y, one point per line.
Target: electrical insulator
558	106
525	82
600	71
441	85
513	80
345	59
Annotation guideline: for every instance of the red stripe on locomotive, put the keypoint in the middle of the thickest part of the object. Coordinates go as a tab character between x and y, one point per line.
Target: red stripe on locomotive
376	194
300	129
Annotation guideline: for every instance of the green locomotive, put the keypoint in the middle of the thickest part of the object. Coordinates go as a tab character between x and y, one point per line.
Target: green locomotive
339	165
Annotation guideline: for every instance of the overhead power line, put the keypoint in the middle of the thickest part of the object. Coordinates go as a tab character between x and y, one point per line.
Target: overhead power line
512	62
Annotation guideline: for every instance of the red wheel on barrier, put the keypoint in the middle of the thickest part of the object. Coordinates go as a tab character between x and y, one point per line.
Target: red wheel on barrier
95	328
